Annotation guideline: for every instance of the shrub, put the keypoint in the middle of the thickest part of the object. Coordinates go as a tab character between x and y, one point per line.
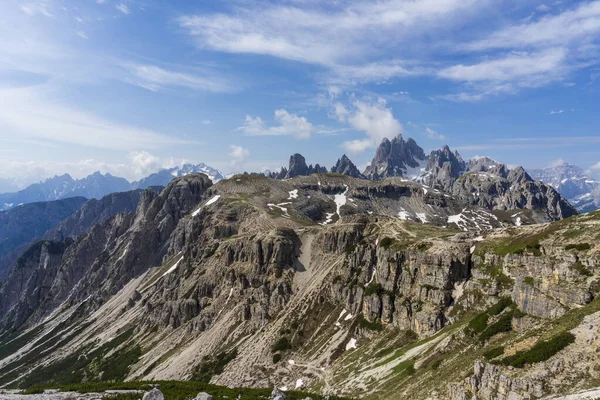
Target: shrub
436	364
542	351
529	280
478	324
578	246
581	269
374	288
282	344
276	358
493	352
372	326
500	306
386	242
504	324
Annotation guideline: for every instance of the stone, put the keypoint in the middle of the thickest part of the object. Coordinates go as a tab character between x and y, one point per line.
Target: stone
277	394
154	394
203	396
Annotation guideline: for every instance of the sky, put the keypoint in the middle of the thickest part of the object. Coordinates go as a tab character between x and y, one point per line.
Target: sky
132	86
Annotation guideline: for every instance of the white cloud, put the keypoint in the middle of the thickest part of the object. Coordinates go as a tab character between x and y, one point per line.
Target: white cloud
595	166
376	120
33	113
580	23
557	163
328	35
543	8
139	164
289	125
239	155
206	122
431	134
36	7
553	112
123	8
82	34
155	78
513	66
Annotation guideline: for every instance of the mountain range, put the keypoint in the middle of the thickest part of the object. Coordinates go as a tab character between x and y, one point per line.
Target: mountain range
573	183
97	185
424	276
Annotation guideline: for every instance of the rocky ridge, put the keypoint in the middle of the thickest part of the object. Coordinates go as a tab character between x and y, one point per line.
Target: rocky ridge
318	281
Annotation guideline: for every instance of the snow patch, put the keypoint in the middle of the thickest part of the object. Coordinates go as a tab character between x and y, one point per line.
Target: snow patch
348	317
340	200
299	383
291	362
293	194
208	203
518	221
351	344
422	217
173	267
403	215
328	219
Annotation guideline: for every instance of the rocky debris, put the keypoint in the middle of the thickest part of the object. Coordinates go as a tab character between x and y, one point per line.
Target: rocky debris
277	394
154	394
345	167
203	396
394	157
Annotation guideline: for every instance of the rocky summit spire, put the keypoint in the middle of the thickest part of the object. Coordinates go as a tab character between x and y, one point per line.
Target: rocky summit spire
297	166
346	167
396	157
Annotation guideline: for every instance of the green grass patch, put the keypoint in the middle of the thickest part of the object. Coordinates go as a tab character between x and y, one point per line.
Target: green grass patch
493	352
541	351
210	367
177	390
504	324
372	326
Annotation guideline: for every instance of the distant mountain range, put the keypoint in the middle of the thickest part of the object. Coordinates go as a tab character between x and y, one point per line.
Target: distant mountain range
573	183
97	185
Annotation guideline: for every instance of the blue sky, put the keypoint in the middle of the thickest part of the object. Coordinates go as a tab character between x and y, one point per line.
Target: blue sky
131	86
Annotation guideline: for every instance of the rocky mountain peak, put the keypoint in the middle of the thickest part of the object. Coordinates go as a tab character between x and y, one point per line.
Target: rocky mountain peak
297	166
346	167
519	175
486	164
443	168
395	158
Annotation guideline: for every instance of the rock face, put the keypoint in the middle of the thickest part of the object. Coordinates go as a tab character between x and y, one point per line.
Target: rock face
98	258
22	225
396	157
488	382
345	167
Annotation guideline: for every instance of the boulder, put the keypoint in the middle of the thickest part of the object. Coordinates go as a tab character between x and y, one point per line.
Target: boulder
154	394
